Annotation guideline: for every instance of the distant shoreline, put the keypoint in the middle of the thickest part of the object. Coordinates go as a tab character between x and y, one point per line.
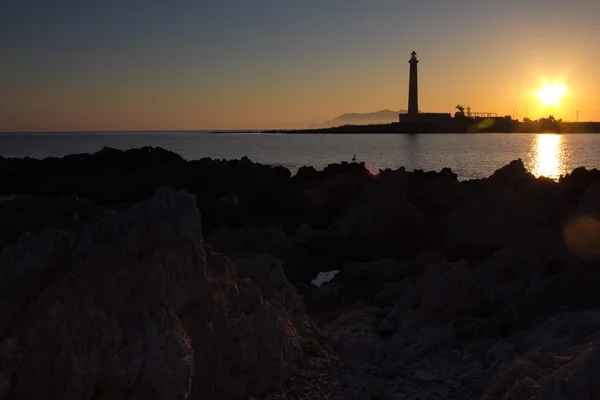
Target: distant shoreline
463	126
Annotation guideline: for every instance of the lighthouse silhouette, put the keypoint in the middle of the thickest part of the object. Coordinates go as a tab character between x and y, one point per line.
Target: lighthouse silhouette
413	116
413	86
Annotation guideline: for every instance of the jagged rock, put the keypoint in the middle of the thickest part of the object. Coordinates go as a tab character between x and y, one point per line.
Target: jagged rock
532	278
229	242
353	169
27	174
61	186
324	298
590	202
133	306
436	194
445	291
357	320
355	331
305	174
304	230
375	282
252	240
32	213
390	293
577	182
373	273
382	209
563	363
267	274
582	230
500	210
564	329
329	194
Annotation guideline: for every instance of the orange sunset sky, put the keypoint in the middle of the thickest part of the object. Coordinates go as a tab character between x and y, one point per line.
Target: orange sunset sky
77	66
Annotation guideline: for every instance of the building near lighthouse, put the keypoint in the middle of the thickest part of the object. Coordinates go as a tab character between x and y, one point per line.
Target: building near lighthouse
413	114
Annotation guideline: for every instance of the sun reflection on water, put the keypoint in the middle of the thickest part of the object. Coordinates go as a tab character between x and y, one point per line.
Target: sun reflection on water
547	156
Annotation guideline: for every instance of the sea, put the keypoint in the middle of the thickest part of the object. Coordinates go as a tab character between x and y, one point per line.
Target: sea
470	156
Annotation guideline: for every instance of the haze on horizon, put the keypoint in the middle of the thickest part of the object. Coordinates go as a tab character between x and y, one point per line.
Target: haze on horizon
225	64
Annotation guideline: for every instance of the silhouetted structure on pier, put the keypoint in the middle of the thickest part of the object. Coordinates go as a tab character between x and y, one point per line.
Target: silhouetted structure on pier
413	114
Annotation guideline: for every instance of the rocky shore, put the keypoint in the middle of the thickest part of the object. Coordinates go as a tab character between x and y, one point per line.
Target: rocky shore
139	275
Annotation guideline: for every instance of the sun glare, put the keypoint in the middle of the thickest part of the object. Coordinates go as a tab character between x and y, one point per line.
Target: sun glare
547	156
551	93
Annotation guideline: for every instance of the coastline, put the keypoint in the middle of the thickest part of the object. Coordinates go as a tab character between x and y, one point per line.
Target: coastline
460	126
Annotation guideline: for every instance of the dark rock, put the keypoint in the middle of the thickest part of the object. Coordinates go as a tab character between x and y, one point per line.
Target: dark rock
382	210
266	273
305	174
26	213
357	320
390	293
329	194
252	240
582	230
373	273
562	363
353	169
501	209
133	305
61	186
436	194
444	292
323	299
577	182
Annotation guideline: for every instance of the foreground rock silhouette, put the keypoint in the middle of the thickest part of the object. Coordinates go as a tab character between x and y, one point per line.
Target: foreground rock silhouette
485	289
133	305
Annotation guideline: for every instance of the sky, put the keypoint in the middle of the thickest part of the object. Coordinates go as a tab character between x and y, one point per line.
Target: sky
73	65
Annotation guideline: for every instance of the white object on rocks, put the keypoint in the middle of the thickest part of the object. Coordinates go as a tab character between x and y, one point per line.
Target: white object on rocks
324	277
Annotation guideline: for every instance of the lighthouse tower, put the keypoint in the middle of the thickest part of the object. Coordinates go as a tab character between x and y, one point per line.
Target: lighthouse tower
413	89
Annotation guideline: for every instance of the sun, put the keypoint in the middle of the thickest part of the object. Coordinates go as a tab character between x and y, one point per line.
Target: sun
551	93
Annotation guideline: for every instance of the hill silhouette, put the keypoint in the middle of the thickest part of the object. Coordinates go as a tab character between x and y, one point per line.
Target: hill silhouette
378	117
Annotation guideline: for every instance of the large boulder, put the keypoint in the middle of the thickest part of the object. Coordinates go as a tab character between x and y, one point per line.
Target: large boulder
233	192
582	230
382	210
521	282
266	273
443	293
33	213
500	210
375	272
251	240
365	280
328	194
559	359
59	176
577	182
436	194
133	305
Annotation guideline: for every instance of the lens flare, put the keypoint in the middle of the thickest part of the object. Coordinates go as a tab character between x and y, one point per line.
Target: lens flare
582	237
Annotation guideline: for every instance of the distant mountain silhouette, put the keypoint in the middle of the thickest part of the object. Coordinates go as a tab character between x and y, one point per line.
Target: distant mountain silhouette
379	117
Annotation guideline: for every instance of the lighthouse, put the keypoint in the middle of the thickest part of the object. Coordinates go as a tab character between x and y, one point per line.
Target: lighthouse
413	115
413	86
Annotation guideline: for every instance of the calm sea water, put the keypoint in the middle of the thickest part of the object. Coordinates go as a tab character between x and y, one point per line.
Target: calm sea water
469	156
